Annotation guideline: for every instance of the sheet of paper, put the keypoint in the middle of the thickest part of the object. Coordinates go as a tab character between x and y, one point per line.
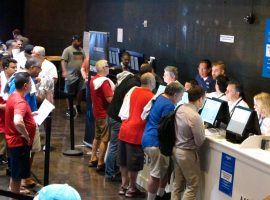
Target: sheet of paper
119	35
43	111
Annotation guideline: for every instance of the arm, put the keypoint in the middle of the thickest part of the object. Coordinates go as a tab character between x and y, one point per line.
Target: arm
19	125
109	99
64	68
197	129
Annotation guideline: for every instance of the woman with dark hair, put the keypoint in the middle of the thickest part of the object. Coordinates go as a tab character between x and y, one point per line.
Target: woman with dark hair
220	86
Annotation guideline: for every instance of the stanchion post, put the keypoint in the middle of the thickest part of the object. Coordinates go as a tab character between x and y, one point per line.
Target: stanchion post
48	125
72	151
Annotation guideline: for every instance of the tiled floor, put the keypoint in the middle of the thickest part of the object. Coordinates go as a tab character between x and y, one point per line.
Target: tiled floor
71	170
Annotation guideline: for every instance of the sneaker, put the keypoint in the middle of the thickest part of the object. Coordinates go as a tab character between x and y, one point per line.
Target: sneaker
75	113
122	190
166	196
79	110
134	193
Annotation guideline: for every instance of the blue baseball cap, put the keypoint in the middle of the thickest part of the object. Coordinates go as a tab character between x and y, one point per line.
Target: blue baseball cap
58	192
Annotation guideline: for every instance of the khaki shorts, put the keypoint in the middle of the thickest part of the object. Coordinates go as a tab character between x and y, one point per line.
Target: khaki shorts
36	147
159	163
101	130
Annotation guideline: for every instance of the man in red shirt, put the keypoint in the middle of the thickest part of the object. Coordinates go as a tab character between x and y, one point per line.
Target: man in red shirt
131	156
20	130
10	67
101	90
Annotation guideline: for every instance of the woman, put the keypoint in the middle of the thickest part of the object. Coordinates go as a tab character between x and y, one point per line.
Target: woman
262	107
220	87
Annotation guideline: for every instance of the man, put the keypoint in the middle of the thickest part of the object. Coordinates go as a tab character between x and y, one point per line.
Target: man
189	131
32	66
124	66
10	67
125	82
11	45
48	75
170	74
20	130
235	96
72	59
101	90
19	44
130	155
218	68
159	164
204	77
18	35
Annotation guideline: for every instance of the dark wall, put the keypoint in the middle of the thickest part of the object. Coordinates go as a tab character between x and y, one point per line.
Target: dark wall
11	17
52	23
182	32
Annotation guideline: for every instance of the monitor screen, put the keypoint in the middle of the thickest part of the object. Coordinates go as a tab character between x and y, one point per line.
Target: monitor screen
136	59
210	111
239	120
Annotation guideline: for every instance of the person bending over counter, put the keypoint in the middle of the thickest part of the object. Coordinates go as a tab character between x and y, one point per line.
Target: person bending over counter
189	131
221	86
262	107
235	96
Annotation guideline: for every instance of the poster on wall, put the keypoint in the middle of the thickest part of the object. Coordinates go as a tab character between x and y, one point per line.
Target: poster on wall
98	46
266	57
226	174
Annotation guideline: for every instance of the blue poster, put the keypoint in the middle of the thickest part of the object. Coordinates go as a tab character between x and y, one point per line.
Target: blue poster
266	57
98	45
226	174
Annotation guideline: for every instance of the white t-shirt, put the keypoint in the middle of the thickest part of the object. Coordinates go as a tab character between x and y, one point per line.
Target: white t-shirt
265	126
238	102
221	96
48	69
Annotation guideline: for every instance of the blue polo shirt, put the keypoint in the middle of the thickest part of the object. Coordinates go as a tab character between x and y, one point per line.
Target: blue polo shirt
30	98
160	108
207	84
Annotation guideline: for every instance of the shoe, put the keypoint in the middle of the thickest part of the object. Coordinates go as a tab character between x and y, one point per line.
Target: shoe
166	196
79	110
75	113
28	183
122	190
24	191
93	163
134	193
113	178
8	172
100	168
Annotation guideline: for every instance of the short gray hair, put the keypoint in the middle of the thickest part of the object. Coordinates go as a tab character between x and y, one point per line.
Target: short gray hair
32	62
40	50
174	88
173	71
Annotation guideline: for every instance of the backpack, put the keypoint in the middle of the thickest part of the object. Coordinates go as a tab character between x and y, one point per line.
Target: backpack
166	133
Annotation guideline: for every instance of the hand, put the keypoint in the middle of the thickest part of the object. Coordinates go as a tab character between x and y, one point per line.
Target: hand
27	138
64	74
38	79
34	113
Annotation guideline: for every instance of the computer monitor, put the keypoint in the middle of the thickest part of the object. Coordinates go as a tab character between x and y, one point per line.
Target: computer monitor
114	56
215	112
136	59
243	122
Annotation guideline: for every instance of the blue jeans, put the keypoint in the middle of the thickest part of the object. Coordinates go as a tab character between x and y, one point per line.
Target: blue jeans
111	168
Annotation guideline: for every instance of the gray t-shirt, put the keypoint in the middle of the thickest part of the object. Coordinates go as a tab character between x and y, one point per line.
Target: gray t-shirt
74	58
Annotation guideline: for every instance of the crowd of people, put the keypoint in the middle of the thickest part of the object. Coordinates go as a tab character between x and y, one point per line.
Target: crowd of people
127	108
132	109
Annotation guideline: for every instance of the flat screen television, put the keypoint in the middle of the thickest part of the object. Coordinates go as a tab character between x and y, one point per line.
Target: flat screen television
243	123
214	112
136	59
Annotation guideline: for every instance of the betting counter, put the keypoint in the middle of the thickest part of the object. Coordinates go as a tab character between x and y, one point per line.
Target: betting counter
229	171
234	171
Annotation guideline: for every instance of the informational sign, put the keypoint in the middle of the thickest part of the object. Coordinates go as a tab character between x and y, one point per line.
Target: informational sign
266	57
98	45
226	38
226	174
